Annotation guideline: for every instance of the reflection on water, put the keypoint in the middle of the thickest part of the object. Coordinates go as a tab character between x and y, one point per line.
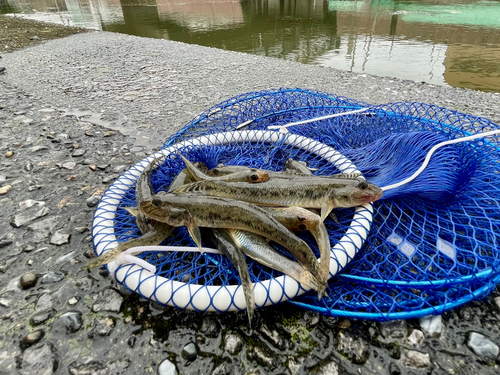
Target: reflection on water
455	42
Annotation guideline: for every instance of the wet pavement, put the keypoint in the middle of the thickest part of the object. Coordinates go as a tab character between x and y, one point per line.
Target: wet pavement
74	113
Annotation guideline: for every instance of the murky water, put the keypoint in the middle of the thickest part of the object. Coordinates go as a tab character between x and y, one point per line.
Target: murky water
453	42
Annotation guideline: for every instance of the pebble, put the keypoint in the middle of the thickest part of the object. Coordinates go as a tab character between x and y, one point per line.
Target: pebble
189	352
394	329
209	327
3	178
72	301
432	325
5	189
5	243
72	320
102	166
496	303
30	203
417	359
93	200
167	368
92	167
52	277
69	165
482	346
107	300
415	337
353	348
39	360
32	338
40	317
262	357
119	168
4	302
28	280
233	342
330	368
59	238
28	216
394	369
78	152
44	303
8	154
102	327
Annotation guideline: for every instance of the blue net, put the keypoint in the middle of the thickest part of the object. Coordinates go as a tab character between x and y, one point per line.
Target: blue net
432	244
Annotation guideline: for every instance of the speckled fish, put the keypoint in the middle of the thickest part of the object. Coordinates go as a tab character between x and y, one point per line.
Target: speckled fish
301	219
251	175
305	191
195	210
225	243
256	247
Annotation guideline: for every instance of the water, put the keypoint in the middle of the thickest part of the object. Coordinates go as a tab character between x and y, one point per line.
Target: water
445	42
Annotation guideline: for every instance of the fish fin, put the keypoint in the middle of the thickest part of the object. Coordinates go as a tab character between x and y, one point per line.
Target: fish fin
350	176
334	217
195	233
307	279
326	208
193	171
134	211
323	239
189	188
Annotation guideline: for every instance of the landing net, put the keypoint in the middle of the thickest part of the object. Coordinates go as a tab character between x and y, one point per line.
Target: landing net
432	243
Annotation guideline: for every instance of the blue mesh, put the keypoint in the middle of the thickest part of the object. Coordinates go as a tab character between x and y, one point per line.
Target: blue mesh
433	243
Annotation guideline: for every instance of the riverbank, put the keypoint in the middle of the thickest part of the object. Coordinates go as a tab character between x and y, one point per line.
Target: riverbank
77	112
17	33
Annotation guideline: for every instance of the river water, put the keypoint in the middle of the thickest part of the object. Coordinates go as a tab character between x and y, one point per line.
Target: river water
443	42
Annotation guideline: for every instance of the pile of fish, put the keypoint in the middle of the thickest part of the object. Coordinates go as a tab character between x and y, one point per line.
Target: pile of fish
245	209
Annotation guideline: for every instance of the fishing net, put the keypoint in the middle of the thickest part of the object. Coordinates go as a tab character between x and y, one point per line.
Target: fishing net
430	245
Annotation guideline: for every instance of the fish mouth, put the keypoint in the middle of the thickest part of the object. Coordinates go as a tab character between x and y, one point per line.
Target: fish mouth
377	196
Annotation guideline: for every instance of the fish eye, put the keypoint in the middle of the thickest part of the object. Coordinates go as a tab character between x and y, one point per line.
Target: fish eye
215	172
363	185
156	202
254	177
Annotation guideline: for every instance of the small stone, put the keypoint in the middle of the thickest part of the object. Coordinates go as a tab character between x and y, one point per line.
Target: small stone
432	325
119	168
102	166
189	352
262	357
28	280
28	167
233	342
42	229
39	360
81	229
224	368
496	302
88	133
52	277
44	303
394	369
354	348
3	178
482	346
92	167
59	238
4	302
8	154
415	337
417	359
167	368
28	216
30	203
107	300
394	329
102	327
209	327
72	321
5	243
35	37
78	152
32	338
108	133
136	149
5	189
64	137
330	368
72	301
40	317
93	200
69	165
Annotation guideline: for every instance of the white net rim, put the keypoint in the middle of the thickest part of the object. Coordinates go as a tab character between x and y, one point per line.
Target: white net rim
228	297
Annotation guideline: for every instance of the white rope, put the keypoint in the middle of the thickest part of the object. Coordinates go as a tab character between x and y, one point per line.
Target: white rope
432	150
282	128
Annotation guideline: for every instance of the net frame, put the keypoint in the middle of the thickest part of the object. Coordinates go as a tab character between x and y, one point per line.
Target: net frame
226	297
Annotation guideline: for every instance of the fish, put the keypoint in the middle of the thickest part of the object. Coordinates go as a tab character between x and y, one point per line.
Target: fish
225	243
155	236
257	248
251	175
194	211
304	191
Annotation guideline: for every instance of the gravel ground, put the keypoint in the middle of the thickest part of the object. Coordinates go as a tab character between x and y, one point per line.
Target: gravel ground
75	113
